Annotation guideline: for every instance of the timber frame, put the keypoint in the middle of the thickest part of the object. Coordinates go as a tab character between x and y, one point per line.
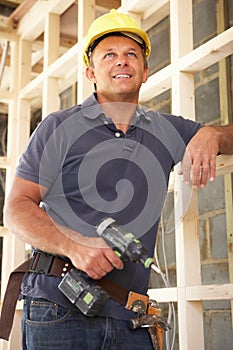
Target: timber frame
62	68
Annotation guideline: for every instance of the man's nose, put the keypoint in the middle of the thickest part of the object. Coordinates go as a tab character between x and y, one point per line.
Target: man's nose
122	62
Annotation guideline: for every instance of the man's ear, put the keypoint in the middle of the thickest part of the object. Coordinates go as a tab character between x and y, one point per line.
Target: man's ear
90	74
146	74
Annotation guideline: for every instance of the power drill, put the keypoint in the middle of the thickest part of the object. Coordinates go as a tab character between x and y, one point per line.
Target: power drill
83	291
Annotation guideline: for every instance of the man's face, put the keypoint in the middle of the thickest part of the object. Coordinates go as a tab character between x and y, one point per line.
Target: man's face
118	69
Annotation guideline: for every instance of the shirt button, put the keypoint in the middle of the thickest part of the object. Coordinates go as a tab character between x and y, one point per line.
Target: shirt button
117	134
106	122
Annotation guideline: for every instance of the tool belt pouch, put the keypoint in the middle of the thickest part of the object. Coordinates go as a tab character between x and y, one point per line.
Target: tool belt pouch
155	310
149	315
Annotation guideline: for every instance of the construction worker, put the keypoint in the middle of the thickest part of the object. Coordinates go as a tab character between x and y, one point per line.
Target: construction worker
105	157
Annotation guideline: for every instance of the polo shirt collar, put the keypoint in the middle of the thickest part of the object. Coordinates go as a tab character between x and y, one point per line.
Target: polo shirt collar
92	110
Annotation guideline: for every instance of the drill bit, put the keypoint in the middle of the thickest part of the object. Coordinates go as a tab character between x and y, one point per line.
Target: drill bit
156	269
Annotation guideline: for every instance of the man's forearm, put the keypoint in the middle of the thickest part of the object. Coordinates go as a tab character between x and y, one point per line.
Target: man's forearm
32	225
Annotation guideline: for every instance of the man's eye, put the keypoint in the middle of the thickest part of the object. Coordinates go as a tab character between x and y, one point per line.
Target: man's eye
132	54
110	54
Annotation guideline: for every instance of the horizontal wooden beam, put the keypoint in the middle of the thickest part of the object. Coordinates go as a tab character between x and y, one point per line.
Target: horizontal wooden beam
193	293
155	14
224	164
209	53
151	12
159	9
139	6
210	292
163	295
12	36
69	60
156	84
21	10
37	15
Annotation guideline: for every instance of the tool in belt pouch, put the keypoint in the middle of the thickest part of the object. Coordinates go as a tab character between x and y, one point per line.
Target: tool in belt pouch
148	316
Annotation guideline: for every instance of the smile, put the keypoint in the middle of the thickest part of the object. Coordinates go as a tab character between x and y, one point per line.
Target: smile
118	76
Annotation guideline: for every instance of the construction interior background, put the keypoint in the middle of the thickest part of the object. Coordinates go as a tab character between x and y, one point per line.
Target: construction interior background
191	71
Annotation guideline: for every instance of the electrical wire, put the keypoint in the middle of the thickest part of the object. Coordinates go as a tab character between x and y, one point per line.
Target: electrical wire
165	278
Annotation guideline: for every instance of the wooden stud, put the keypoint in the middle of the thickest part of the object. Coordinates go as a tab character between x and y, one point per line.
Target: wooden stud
51	39
25	69
226	118
86	15
190	316
36	15
50	99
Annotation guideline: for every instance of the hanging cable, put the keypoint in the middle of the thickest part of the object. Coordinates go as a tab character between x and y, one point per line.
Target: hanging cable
165	278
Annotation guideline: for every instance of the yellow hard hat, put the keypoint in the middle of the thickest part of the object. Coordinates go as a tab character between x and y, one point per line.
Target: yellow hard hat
115	22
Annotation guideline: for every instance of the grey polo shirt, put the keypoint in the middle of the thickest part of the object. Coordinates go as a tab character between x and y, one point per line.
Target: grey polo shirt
92	171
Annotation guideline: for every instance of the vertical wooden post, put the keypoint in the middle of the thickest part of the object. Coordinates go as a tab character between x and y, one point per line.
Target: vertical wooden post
86	15
50	98
226	118
190	318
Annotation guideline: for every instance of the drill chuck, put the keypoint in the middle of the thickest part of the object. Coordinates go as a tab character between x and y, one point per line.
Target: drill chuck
124	243
148	262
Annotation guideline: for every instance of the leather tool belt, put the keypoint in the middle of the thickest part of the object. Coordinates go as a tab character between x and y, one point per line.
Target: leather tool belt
50	264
